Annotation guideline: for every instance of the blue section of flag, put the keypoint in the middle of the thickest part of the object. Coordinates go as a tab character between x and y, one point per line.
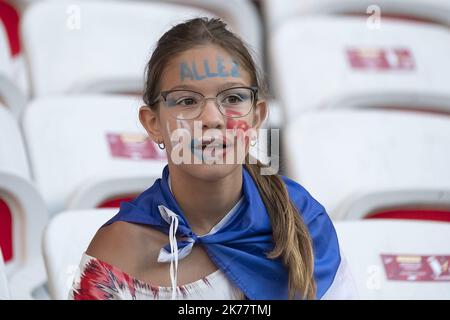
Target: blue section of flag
240	246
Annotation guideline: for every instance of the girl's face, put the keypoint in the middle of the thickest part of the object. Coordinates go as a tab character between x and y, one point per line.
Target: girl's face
206	138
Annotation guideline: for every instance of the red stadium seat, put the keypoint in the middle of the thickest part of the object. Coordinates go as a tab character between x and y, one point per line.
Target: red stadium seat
412	214
6	222
10	19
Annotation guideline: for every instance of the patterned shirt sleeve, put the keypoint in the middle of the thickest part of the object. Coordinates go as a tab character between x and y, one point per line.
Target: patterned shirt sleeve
96	280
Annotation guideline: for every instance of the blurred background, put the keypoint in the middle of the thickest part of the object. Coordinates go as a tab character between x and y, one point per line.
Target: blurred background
359	92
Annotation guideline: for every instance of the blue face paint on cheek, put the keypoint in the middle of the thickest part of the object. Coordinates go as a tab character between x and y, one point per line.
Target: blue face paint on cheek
185	72
197	152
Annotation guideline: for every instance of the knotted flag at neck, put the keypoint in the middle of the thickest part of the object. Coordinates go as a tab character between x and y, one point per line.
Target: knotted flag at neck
239	244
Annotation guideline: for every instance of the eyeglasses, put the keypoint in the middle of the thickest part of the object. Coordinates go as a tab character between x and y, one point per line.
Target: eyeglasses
233	103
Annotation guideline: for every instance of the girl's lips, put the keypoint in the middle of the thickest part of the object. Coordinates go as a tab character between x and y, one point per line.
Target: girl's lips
212	142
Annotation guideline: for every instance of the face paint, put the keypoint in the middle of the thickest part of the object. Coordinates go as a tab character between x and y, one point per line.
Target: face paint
235	123
235	69
185	72
180	138
196	74
193	73
209	74
220	68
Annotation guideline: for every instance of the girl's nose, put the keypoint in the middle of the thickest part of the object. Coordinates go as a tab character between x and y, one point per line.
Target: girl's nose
211	116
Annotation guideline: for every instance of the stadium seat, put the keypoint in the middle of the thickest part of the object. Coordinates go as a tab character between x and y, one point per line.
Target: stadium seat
23	214
397	259
11	95
107	47
358	163
429	11
13	160
25	268
4	291
13	156
337	62
104	49
66	238
86	149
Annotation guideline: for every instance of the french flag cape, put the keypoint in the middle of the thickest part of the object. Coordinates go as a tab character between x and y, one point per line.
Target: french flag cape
240	246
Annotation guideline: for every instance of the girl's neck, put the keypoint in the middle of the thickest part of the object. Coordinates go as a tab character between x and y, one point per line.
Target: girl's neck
205	203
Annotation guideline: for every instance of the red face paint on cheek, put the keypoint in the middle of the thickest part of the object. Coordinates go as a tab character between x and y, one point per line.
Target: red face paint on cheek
239	125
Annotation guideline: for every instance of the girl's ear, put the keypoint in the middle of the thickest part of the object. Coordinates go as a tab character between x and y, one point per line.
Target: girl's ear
260	114
150	121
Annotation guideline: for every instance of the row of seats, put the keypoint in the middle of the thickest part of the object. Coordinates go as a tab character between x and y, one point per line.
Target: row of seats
68	235
364	114
72	47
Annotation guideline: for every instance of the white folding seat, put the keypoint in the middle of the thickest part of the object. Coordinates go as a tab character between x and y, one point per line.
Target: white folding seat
11	95
22	211
338	62
276	12
100	46
25	268
358	163
93	46
4	291
393	259
13	157
87	149
66	238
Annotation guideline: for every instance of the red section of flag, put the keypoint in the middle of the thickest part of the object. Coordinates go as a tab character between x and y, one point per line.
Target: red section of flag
416	267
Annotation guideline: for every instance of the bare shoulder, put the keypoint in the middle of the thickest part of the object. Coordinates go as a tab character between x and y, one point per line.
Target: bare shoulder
127	246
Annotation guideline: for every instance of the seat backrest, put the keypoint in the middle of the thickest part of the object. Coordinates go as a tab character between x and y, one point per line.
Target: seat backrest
406	203
66	237
5	54
397	259
9	18
432	11
341	155
400	66
13	157
90	139
28	216
13	162
11	95
94	46
4	293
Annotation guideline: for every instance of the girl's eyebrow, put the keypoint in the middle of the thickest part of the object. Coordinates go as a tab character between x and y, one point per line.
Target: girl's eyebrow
196	88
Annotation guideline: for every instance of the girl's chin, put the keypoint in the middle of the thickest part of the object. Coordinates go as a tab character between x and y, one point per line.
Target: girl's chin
208	171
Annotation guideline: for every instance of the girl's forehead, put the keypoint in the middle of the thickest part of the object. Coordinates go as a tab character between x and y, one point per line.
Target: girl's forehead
202	52
203	63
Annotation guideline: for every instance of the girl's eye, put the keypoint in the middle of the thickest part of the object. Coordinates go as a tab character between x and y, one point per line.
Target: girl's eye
186	102
232	99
